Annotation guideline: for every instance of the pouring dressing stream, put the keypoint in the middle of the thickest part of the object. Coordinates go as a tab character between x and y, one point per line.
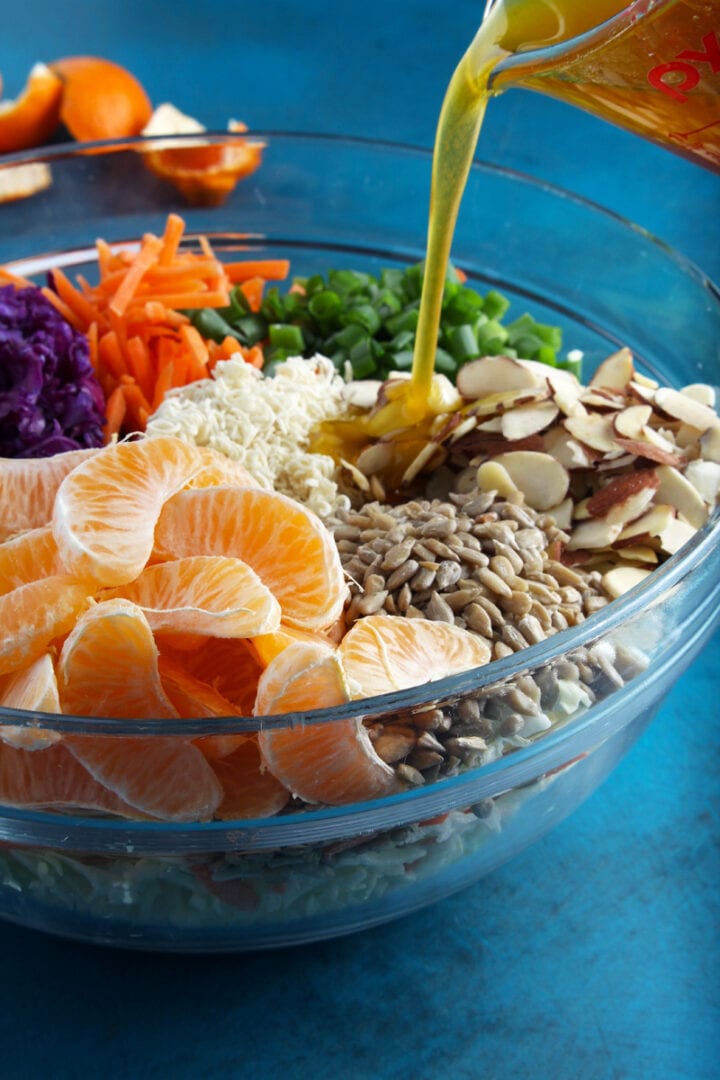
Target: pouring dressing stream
622	62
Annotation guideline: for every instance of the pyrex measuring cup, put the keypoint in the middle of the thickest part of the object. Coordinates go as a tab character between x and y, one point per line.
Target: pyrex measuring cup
653	68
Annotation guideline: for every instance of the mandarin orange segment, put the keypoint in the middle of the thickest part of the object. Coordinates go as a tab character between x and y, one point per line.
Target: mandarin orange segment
161	776
100	99
27	557
204	594
330	762
267	646
108	665
34	689
52	779
383	653
33	615
191	697
32	117
249	789
226	664
218	469
28	487
105	510
286	544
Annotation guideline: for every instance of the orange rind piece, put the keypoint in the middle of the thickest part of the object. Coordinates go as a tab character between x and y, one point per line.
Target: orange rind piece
100	99
204	173
31	118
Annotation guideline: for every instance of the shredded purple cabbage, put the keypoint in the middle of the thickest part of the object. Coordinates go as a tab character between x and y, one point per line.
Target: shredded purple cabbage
50	399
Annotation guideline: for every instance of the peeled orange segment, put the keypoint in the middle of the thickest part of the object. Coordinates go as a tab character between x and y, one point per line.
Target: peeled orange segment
27	557
226	664
100	99
330	762
33	615
286	545
190	696
161	776
34	689
204	594
267	646
106	509
52	779
249	789
382	653
28	487
218	469
108	665
32	117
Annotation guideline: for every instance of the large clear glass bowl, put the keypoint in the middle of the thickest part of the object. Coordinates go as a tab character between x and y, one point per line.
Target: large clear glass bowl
224	886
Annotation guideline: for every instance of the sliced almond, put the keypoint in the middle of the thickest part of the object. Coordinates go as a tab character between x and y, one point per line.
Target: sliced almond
600	398
527	420
675	536
421	461
465	426
616	371
681	494
593	534
631	421
648	448
562	514
644	380
638	553
362	393
493	425
374	458
624	498
705	478
359	479
683	407
568	451
652	523
710	443
641	391
701	392
491	476
622	579
543	481
494	374
616	464
593	430
490	404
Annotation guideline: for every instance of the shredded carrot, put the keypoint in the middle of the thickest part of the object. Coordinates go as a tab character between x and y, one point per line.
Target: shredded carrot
268	269
252	290
141	341
115	410
8	278
146	257
174	229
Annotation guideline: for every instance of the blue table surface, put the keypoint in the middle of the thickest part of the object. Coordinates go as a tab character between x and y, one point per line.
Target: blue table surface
595	954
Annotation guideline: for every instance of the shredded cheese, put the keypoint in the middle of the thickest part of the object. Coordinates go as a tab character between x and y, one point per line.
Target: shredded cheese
264	423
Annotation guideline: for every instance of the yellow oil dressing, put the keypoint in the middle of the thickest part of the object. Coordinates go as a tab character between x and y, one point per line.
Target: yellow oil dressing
651	67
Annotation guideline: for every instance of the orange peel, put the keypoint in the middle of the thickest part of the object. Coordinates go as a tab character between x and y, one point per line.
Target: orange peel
100	98
204	173
33	116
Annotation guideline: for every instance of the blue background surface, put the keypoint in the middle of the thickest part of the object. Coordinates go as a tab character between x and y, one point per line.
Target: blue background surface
595	954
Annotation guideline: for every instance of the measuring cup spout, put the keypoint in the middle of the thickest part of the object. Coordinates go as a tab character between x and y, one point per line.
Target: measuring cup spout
652	66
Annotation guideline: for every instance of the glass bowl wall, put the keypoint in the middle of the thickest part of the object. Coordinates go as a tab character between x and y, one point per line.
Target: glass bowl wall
224	886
